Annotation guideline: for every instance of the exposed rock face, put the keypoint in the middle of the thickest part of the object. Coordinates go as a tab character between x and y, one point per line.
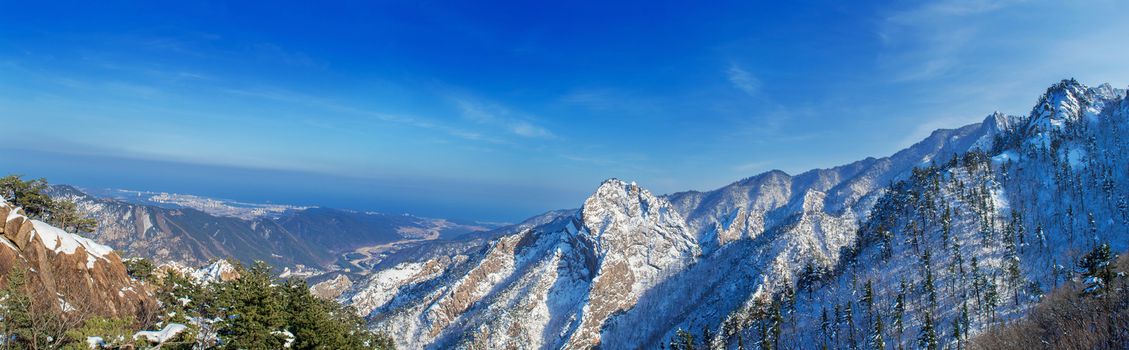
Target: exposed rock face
557	283
218	271
332	288
85	277
638	240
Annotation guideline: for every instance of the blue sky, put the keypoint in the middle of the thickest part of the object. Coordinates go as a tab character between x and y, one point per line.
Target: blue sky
497	110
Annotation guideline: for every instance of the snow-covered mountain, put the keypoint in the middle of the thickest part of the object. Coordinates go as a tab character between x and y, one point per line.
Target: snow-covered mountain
630	269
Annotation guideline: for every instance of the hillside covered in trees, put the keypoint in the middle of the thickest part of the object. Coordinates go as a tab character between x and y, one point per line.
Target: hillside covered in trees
1016	240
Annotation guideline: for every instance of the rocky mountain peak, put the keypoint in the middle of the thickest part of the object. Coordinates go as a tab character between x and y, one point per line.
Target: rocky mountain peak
628	198
1065	100
619	212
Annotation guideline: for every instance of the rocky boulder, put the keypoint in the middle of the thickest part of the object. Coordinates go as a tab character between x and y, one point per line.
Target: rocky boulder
73	274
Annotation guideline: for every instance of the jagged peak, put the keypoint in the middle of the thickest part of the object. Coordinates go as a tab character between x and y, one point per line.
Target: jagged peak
617	202
998	122
1066	86
1107	91
614	185
1063	100
618	193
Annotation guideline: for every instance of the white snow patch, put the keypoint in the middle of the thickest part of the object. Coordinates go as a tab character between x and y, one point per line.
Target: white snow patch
15	213
384	285
95	342
170	331
1075	156
213	272
65	306
61	241
1005	156
285	334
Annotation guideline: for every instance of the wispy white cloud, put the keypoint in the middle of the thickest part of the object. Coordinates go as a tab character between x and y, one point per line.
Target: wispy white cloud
743	80
960	60
495	115
930	11
927	41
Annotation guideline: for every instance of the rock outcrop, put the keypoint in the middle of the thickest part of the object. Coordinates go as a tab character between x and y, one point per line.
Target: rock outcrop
73	274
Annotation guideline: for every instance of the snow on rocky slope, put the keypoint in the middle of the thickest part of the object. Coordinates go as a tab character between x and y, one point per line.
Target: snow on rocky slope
629	268
974	242
218	271
86	277
552	285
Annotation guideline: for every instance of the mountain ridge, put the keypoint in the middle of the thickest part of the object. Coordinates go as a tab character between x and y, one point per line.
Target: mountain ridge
754	235
310	238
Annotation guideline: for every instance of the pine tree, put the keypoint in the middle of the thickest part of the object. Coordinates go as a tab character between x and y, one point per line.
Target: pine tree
850	326
839	320
868	297
928	284
991	299
956	331
1041	235
15	310
255	315
766	336
900	311
777	324
28	195
32	197
946	224
1097	268
978	281
928	337
707	336
824	327
1011	262
1093	225
876	340
683	340
322	324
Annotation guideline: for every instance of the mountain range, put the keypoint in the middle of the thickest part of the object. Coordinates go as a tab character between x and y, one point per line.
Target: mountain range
194	230
961	231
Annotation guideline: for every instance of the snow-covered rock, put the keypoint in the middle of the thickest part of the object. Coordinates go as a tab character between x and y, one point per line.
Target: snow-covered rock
169	332
78	272
218	271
